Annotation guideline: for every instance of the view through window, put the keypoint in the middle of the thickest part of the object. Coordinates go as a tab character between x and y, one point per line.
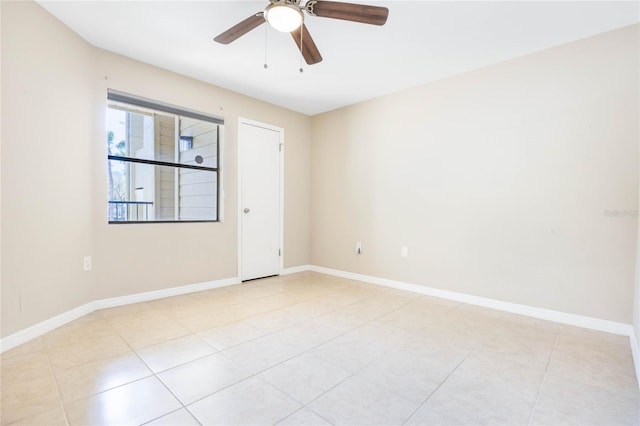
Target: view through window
163	163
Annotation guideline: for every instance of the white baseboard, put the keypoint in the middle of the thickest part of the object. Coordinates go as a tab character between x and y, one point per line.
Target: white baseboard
161	294
541	313
39	329
530	311
296	269
34	331
46	326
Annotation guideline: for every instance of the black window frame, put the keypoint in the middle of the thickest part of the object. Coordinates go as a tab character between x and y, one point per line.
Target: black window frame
148	104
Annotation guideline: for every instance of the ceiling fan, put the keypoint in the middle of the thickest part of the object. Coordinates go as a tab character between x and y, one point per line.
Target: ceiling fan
287	16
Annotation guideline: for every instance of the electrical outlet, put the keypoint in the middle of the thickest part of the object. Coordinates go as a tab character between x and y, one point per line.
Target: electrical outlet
358	248
87	263
404	251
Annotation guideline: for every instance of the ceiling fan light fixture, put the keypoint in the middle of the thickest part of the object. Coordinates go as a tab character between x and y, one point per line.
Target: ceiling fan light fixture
283	17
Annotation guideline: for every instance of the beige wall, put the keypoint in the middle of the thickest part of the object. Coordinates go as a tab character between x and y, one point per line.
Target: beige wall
54	180
496	180
47	127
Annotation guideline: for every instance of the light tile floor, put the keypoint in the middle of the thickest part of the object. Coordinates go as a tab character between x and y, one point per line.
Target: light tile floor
310	349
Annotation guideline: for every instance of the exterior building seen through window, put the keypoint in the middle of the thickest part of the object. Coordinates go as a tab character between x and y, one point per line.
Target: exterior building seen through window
163	162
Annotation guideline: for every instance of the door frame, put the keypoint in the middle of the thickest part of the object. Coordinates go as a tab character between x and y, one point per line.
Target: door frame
247	121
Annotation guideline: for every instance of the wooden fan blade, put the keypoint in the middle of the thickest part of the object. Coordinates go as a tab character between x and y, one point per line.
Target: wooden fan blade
373	15
240	29
309	50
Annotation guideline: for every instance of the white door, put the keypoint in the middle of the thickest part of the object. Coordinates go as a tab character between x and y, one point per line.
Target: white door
260	163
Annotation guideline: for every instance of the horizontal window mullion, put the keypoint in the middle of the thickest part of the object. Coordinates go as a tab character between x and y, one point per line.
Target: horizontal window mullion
137	222
161	163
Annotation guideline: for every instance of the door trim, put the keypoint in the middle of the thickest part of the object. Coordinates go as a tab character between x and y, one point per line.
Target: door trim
247	121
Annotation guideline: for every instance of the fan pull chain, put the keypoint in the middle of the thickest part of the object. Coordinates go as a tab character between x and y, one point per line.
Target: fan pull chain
266	27
301	46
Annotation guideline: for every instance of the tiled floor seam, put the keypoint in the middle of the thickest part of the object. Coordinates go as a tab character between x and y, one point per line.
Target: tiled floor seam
64	405
544	378
307	405
302	322
224	388
302	405
340	335
302	408
246	299
364	322
246	378
174	411
446	312
288	415
449	375
55	379
288	359
272	310
254	374
154	374
87	362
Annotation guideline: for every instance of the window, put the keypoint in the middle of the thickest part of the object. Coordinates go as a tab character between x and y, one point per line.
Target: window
163	162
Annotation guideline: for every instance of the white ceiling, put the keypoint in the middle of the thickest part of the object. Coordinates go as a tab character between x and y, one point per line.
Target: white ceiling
421	42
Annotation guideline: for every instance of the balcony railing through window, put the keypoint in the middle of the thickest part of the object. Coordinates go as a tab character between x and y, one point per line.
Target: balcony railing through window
123	211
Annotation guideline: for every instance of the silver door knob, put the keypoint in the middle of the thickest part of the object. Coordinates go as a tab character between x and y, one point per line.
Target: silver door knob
247	210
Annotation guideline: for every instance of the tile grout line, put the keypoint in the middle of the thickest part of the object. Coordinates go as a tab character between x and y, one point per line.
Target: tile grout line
64	405
370	322
413	414
304	321
55	379
161	310
89	362
153	373
158	309
358	370
155	376
254	374
299	354
123	384
349	331
266	312
374	322
544	379
174	411
298	410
